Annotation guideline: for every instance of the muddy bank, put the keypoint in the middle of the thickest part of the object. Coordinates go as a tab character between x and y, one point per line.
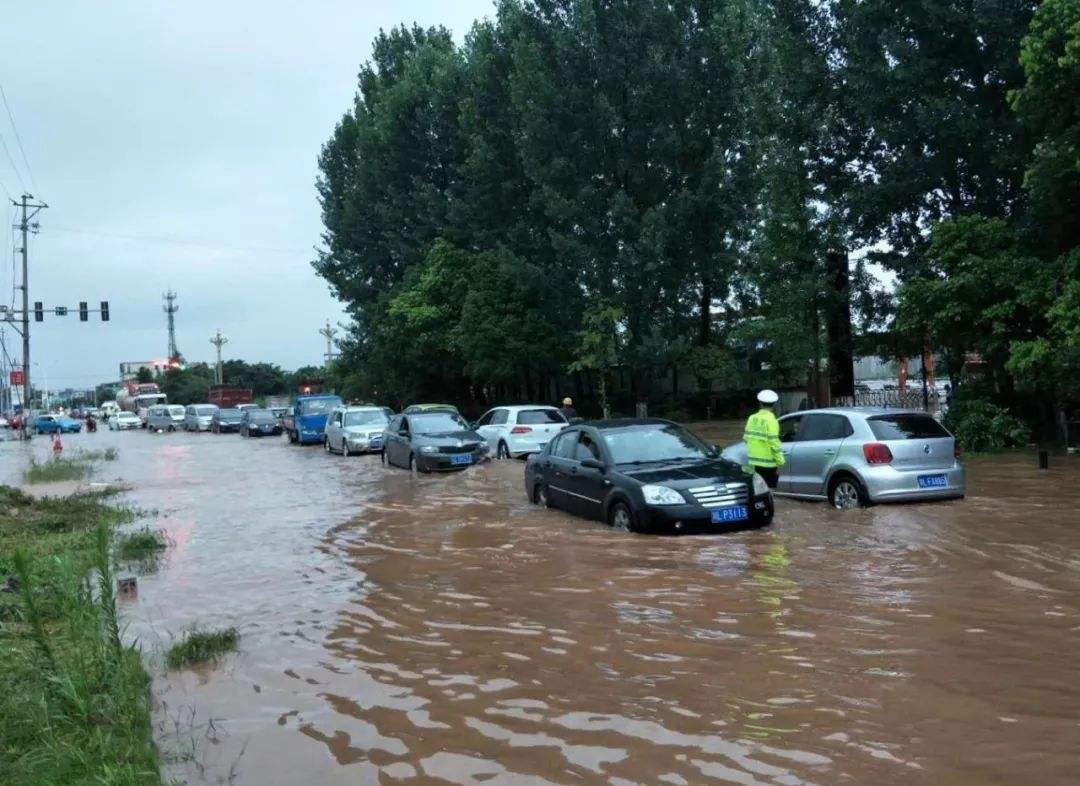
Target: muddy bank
440	629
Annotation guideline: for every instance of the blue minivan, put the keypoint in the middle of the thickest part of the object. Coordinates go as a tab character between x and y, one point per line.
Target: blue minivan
307	423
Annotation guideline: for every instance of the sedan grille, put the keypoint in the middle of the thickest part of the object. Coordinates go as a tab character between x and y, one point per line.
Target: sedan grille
720	495
467	448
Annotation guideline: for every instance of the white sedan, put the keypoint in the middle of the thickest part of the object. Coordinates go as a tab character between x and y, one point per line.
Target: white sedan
122	421
519	430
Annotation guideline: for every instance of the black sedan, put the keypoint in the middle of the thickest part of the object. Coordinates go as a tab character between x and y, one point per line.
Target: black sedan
645	475
225	420
432	441
260	423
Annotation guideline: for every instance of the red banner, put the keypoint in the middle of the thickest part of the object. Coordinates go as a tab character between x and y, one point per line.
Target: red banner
16	377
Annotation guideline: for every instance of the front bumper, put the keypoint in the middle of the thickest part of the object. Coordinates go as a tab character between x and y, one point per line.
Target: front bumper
887	484
695	518
258	432
360	444
443	462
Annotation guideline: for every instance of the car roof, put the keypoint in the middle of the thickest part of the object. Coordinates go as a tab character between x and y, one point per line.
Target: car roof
864	411
519	407
359	408
612	423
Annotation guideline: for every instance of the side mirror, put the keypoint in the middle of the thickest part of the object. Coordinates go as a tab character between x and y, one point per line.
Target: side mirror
591	463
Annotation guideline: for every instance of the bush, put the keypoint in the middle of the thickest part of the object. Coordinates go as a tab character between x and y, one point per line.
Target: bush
980	425
200	646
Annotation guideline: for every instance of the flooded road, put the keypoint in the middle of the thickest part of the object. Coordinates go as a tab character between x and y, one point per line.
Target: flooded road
439	629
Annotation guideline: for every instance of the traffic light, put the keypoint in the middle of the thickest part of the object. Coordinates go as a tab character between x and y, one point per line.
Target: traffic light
84	312
39	311
104	310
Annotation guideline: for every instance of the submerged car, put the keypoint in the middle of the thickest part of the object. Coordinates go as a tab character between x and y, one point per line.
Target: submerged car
355	430
124	421
199	417
52	424
645	475
225	420
855	456
519	430
431	441
259	423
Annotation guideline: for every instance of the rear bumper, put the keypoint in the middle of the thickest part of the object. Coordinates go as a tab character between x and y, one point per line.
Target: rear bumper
694	518
524	445
886	484
443	462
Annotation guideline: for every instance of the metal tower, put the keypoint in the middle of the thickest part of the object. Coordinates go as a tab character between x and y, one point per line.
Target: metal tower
170	308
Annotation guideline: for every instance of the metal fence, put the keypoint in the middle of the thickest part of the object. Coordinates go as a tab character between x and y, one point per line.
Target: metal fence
912	398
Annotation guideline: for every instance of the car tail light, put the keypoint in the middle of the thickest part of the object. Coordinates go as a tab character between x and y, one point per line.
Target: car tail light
877	453
956	450
520	430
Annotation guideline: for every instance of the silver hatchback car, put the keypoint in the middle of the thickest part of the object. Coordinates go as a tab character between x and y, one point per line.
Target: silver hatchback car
854	456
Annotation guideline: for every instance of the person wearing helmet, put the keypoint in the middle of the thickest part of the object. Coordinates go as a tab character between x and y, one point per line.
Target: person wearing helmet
762	438
567	409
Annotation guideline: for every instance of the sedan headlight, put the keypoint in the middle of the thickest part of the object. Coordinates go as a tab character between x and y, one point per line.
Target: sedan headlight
760	486
429	449
661	495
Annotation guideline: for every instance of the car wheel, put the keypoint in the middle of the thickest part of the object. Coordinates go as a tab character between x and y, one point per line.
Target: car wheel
620	517
326	444
171	429
540	496
412	462
502	451
846	493
345	448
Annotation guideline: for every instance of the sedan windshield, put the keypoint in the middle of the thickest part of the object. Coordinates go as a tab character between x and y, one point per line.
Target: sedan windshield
261	416
654	443
371	417
436	422
229	414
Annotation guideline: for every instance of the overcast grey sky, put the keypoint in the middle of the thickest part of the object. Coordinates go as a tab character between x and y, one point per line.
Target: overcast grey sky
176	145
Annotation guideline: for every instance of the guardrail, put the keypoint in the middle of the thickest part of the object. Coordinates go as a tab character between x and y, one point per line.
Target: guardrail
896	399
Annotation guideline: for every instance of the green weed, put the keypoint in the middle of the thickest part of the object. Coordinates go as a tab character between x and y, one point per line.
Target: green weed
140	543
56	470
199	646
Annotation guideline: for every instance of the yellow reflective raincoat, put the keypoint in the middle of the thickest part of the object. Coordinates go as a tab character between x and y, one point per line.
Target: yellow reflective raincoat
762	438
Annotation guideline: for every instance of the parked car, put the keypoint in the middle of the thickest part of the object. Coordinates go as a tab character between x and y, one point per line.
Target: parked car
307	424
645	475
519	430
279	412
225	420
432	441
247	406
199	417
51	424
355	430
109	409
854	456
165	417
259	423
123	421
414	409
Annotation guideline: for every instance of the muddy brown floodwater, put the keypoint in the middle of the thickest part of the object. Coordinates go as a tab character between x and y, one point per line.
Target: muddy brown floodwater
401	629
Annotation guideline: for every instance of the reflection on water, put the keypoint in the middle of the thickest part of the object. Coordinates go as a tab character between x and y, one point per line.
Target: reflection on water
442	630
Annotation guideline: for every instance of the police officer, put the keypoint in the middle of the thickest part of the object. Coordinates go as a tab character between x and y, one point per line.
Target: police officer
567	409
762	438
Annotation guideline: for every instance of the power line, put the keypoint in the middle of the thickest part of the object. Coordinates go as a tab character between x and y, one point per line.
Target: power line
18	139
12	162
180	241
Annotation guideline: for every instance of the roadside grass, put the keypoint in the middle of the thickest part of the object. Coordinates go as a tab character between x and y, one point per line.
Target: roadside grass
74	700
199	646
140	543
56	470
108	454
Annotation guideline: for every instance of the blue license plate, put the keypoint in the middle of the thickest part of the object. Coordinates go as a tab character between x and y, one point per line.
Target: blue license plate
733	513
932	481
461	458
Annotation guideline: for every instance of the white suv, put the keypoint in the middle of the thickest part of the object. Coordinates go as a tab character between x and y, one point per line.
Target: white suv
519	430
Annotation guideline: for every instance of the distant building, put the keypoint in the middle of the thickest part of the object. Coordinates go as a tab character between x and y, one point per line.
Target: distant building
130	370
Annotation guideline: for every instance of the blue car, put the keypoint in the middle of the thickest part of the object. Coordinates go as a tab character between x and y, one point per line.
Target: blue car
307	423
50	424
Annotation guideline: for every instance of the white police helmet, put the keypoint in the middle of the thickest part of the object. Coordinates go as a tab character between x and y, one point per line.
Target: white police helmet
768	396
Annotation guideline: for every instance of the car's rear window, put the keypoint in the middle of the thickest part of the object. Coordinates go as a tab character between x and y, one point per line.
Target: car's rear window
540	417
911	426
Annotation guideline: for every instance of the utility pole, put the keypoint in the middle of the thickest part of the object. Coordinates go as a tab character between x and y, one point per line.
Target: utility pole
170	308
219	341
26	227
330	334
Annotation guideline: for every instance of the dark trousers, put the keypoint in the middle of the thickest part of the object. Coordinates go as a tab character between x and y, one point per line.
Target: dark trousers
770	474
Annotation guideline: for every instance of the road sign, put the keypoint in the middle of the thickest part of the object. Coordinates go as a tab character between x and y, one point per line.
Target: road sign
16	377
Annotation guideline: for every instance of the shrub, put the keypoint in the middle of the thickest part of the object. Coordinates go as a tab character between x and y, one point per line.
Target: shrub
199	646
980	425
